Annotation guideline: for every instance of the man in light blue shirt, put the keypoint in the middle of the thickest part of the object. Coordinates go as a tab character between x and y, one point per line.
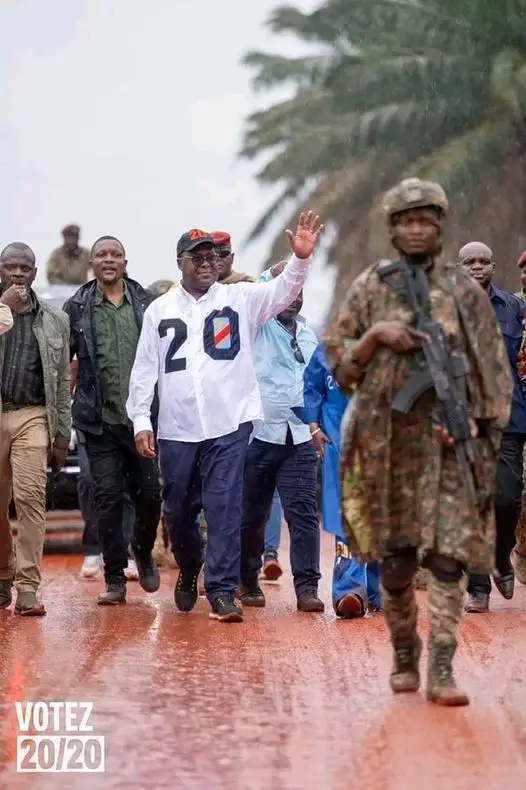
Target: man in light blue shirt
282	455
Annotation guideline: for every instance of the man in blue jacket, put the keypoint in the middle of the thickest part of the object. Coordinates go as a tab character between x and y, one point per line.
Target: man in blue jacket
478	260
355	585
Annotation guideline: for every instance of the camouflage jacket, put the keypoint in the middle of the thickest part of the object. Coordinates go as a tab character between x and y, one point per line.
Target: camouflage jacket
51	329
379	455
65	269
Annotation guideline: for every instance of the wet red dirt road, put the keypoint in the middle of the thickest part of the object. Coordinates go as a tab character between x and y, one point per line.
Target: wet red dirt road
286	700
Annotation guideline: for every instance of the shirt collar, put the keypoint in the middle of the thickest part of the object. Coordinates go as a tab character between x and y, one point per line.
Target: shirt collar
184	293
494	293
100	296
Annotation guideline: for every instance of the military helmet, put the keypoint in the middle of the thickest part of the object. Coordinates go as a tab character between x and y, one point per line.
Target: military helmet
414	193
160	287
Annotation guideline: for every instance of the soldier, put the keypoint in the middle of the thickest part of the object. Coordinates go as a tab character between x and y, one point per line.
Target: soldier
402	492
69	264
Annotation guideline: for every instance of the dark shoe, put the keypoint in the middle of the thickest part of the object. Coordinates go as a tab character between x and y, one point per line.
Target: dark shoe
28	605
6	596
252	595
405	676
149	576
225	609
309	602
478	602
272	569
186	590
441	687
113	595
505	585
350	607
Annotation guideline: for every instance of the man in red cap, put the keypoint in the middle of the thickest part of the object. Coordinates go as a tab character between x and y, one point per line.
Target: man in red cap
226	276
69	264
521	264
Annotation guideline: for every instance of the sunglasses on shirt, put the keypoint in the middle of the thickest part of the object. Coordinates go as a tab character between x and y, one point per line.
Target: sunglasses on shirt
298	356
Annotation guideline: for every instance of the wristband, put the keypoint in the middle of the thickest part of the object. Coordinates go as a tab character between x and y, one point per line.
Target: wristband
313	433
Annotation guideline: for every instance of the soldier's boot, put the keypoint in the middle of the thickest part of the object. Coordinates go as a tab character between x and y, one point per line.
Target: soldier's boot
401	613
445	600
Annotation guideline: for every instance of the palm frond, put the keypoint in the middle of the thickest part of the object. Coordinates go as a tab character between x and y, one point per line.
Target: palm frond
274	70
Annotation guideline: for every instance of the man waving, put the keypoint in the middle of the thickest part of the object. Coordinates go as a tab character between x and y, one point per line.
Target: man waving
196	346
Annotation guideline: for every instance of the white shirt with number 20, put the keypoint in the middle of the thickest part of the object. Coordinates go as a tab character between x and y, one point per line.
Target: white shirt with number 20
199	352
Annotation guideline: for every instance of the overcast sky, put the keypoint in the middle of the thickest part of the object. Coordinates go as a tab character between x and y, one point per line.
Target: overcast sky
125	117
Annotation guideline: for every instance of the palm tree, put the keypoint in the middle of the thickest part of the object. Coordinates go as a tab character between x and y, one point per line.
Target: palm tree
435	88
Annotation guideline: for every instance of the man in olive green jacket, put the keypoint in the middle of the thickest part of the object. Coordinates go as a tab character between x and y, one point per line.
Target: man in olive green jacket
36	423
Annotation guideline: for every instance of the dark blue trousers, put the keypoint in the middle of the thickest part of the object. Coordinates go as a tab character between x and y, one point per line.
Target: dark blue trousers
209	476
292	469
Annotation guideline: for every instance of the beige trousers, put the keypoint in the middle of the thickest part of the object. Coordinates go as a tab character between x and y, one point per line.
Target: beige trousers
24	446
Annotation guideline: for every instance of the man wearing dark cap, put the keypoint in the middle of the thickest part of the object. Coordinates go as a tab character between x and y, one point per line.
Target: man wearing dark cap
69	264
477	259
402	491
196	346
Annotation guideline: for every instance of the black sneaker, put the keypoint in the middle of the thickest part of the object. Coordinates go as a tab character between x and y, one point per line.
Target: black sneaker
251	595
149	577
186	590
225	609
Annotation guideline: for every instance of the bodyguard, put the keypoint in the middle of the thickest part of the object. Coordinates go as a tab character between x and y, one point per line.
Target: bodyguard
402	493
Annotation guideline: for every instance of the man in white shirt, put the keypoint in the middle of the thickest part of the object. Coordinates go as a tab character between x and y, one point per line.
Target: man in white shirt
196	346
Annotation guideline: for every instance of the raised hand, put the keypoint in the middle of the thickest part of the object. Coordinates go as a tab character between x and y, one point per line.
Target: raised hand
307	234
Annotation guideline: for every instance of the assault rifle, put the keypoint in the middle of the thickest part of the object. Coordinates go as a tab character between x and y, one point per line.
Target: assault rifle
438	369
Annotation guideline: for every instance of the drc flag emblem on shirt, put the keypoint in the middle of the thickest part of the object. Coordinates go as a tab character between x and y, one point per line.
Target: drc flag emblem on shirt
222	333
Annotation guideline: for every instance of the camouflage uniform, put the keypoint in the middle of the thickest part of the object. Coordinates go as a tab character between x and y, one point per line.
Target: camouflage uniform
402	494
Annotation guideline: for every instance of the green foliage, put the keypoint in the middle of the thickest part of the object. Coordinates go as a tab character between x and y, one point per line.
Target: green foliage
391	88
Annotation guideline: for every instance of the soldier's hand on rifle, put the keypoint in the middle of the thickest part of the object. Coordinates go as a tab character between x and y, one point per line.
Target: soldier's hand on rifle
447	440
397	335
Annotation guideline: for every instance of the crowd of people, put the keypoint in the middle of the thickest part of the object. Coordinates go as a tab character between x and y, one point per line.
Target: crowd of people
205	408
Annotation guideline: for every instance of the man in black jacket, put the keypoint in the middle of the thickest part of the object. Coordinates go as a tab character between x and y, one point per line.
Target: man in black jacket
105	322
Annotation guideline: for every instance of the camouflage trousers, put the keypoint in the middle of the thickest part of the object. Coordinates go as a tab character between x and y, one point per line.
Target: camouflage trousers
445	607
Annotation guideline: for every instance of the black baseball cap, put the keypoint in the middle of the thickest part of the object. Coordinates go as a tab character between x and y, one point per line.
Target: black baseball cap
192	239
